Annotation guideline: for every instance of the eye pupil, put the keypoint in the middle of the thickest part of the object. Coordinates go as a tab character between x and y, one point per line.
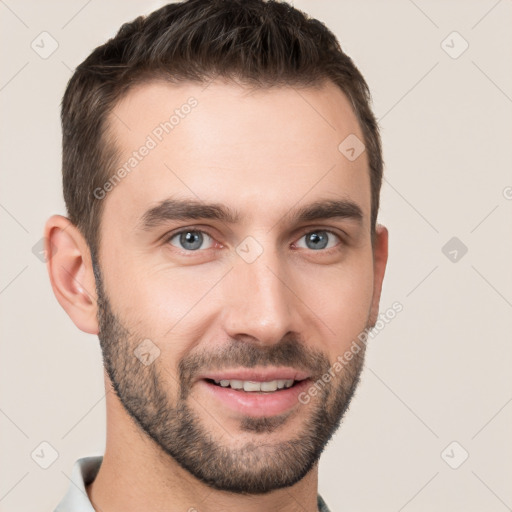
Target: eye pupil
191	237
319	241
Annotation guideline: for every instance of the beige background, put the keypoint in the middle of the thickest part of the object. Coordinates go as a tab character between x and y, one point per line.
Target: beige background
438	373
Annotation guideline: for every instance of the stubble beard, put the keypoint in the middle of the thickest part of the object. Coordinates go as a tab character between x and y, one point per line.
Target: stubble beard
219	461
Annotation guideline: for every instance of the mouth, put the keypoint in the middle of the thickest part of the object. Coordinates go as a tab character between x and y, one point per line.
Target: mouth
257	396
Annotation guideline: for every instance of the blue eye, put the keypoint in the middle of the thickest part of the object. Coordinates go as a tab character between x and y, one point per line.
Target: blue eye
319	240
190	239
194	240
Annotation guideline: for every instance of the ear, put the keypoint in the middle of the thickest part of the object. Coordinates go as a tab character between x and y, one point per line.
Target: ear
380	259
69	265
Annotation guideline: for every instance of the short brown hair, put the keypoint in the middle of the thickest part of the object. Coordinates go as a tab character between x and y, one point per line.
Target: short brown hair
256	42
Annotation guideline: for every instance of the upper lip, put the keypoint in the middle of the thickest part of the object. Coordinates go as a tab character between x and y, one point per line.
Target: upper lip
257	375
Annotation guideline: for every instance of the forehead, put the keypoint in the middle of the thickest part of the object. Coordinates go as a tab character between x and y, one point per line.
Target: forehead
256	150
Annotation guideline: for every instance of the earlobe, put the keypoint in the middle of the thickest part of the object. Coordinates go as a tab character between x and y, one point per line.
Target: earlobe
380	258
71	274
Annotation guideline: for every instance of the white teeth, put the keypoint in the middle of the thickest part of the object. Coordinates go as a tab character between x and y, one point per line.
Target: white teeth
268	386
252	386
236	384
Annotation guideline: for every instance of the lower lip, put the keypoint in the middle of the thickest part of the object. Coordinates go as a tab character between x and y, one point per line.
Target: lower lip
256	404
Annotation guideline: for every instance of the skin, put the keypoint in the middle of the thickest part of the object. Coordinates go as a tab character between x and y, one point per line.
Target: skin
263	153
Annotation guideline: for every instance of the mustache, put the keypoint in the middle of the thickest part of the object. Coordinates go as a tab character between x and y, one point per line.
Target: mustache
290	351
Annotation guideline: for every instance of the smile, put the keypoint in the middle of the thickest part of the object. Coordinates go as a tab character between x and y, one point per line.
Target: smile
254	386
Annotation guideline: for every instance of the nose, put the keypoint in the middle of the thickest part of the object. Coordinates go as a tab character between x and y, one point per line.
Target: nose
259	301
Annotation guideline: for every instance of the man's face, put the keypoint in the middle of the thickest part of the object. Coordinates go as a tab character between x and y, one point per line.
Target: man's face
186	301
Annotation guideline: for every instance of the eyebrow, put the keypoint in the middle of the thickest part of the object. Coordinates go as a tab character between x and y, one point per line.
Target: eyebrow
191	209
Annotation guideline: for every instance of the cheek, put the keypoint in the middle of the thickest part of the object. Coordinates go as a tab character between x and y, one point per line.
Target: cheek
163	303
342	299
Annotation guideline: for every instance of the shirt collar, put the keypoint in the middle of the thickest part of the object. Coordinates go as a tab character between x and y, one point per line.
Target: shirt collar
83	473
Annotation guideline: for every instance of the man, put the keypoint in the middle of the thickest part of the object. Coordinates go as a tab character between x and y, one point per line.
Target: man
221	171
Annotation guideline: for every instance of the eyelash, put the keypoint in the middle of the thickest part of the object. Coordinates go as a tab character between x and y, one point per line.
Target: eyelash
190	253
